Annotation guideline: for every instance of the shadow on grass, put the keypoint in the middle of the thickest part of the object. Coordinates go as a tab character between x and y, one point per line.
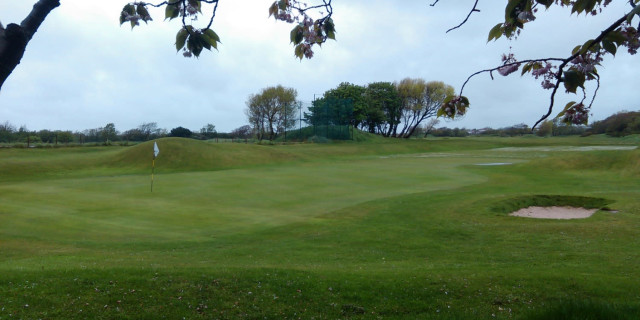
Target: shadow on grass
585	310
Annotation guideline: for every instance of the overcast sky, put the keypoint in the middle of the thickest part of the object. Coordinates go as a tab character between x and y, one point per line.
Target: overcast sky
83	70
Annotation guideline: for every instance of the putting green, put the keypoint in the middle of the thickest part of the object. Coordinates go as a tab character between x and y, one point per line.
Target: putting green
194	205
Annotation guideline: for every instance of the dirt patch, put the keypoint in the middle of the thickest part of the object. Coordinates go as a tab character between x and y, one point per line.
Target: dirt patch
554	213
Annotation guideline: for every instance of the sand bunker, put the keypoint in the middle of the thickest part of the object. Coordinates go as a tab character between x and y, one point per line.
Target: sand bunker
554	213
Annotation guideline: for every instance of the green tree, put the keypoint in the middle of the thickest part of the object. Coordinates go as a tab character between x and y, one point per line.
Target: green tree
384	108
109	133
420	101
47	136
345	96
619	124
64	136
7	132
208	131
272	111
150	130
181	132
242	132
545	129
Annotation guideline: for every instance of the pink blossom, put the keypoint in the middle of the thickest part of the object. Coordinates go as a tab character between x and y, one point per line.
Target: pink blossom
507	70
546	84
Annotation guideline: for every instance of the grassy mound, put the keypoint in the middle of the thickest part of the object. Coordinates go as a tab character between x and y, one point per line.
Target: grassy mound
180	154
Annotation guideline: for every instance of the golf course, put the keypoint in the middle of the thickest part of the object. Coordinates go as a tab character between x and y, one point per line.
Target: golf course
375	229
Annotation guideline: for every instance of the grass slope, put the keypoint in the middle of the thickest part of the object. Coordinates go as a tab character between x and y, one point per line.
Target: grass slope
385	229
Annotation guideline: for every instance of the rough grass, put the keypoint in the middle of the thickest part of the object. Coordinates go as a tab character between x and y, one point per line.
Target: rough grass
384	229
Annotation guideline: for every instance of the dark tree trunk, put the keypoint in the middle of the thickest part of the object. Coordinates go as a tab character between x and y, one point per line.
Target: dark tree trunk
14	39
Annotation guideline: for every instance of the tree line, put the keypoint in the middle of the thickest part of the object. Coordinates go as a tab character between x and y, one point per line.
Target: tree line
109	134
391	109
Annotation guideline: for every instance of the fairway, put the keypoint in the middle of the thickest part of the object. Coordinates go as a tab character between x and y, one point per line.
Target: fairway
387	229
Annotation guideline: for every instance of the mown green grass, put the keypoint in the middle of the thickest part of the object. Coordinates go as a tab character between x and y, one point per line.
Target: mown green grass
384	229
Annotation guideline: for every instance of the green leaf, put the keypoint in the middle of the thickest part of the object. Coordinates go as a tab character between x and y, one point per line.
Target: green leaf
526	68
616	37
181	38
196	4
584	6
329	26
211	38
298	51
586	46
566	107
282	4
296	35
273	10
195	45
578	6
211	34
171	11
576	49
142	11
331	35
546	3
590	4
204	41
610	47
130	9
573	79
509	12
495	32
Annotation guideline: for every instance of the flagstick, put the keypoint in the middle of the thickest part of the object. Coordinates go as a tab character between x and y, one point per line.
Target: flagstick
153	169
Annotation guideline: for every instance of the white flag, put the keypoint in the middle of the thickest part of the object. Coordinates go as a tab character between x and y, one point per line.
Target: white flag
156	151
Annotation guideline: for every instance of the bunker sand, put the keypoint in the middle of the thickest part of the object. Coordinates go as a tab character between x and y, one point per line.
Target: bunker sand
554	213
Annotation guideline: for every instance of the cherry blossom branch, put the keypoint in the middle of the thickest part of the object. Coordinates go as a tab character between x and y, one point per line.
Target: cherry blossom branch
324	4
513	64
573	56
553	97
213	15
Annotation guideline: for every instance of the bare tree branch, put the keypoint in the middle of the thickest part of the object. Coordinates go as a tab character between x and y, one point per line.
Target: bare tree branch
14	38
468	15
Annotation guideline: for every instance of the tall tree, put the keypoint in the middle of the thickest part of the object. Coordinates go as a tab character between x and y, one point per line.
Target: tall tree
420	100
109	132
384	108
272	111
208	131
343	105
